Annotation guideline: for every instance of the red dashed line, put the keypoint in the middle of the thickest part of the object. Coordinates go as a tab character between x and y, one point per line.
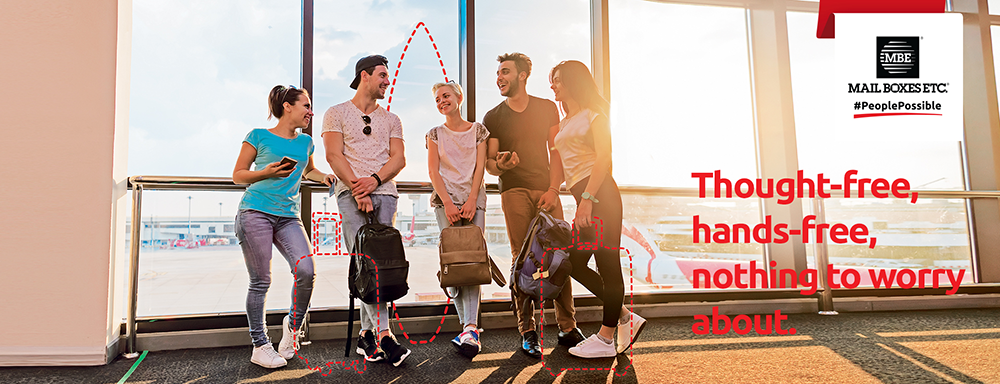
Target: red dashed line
407	335
335	217
354	364
631	294
407	47
358	366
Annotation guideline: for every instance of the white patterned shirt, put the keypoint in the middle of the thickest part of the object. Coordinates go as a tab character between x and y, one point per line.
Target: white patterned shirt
365	153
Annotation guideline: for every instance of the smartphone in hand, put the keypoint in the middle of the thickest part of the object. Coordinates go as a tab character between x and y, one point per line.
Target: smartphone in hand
288	160
503	156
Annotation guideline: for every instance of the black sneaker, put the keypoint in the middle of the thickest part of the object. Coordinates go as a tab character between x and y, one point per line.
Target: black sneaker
571	338
529	344
395	353
368	348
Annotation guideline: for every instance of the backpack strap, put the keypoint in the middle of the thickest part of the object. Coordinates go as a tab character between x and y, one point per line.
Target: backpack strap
523	253
350	323
495	272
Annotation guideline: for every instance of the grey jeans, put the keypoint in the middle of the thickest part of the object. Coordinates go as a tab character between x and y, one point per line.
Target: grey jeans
373	316
467	299
257	231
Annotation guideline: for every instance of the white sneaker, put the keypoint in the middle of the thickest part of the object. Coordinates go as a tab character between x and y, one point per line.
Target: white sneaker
593	347
266	357
289	339
629	331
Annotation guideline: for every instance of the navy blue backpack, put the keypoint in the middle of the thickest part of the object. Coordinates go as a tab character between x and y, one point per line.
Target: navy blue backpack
542	266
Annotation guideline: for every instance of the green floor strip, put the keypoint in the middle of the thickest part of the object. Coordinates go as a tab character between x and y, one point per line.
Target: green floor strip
129	373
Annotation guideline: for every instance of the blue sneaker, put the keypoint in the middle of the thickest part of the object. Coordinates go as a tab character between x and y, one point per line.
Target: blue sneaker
468	343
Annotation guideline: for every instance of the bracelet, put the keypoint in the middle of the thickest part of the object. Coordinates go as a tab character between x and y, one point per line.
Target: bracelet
554	189
378	179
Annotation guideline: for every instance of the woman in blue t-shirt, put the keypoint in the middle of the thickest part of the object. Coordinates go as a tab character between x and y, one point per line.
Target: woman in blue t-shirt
269	214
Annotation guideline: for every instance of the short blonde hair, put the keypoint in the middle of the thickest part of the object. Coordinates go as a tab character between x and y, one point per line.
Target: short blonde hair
454	87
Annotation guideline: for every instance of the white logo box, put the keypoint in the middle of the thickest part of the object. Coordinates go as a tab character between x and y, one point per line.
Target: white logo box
939	57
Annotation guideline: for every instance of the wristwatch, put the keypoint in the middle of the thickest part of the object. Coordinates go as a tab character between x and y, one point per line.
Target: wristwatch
588	196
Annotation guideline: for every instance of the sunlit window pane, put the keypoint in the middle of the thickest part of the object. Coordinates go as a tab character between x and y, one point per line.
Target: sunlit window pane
348	31
549	32
680	93
928	160
200	82
930	234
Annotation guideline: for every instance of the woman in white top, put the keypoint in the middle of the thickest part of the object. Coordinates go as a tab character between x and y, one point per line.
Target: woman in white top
456	158
583	142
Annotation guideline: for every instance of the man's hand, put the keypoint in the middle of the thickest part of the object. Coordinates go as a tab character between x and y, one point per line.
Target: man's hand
364	203
363	186
548	200
507	160
583	211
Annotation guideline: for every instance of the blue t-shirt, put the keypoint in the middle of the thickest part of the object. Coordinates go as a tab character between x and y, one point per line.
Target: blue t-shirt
278	196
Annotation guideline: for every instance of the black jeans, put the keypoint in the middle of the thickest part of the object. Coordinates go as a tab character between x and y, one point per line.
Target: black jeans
602	241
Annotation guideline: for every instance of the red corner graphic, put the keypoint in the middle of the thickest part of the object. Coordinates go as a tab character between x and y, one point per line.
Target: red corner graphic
827	9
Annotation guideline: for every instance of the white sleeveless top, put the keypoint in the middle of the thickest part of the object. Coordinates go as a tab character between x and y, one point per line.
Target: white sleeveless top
457	155
575	145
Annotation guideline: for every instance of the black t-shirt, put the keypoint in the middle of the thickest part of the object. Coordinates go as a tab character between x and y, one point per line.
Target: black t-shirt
525	133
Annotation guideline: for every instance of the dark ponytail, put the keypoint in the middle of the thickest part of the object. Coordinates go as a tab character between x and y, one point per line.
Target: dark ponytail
280	95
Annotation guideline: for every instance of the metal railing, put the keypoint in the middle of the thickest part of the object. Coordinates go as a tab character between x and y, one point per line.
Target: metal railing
140	183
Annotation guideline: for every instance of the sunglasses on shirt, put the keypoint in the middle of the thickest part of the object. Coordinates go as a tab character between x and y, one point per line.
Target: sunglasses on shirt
368	128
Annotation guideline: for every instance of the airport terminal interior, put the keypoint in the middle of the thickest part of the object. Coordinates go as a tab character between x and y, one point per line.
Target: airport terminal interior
122	263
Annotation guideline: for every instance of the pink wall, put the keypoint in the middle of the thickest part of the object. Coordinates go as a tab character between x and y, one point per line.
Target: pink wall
58	79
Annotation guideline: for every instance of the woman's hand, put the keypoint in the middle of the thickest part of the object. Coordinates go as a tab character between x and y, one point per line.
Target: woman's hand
365	204
468	210
276	169
329	179
452	213
583	214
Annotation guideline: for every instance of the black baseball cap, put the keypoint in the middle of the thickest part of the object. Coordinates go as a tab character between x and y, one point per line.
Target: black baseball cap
366	62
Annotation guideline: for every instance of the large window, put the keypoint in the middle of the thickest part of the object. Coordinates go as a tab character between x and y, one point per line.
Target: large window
200	82
548	32
930	159
680	93
929	234
348	31
681	102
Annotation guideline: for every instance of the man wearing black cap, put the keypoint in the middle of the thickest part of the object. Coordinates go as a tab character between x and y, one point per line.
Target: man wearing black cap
364	146
517	151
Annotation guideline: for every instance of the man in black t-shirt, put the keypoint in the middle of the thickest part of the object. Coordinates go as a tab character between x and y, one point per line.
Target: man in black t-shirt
517	151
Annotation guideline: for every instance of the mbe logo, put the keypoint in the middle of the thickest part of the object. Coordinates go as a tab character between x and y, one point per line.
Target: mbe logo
898	57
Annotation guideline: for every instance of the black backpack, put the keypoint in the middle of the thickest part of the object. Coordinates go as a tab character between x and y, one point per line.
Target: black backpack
378	268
